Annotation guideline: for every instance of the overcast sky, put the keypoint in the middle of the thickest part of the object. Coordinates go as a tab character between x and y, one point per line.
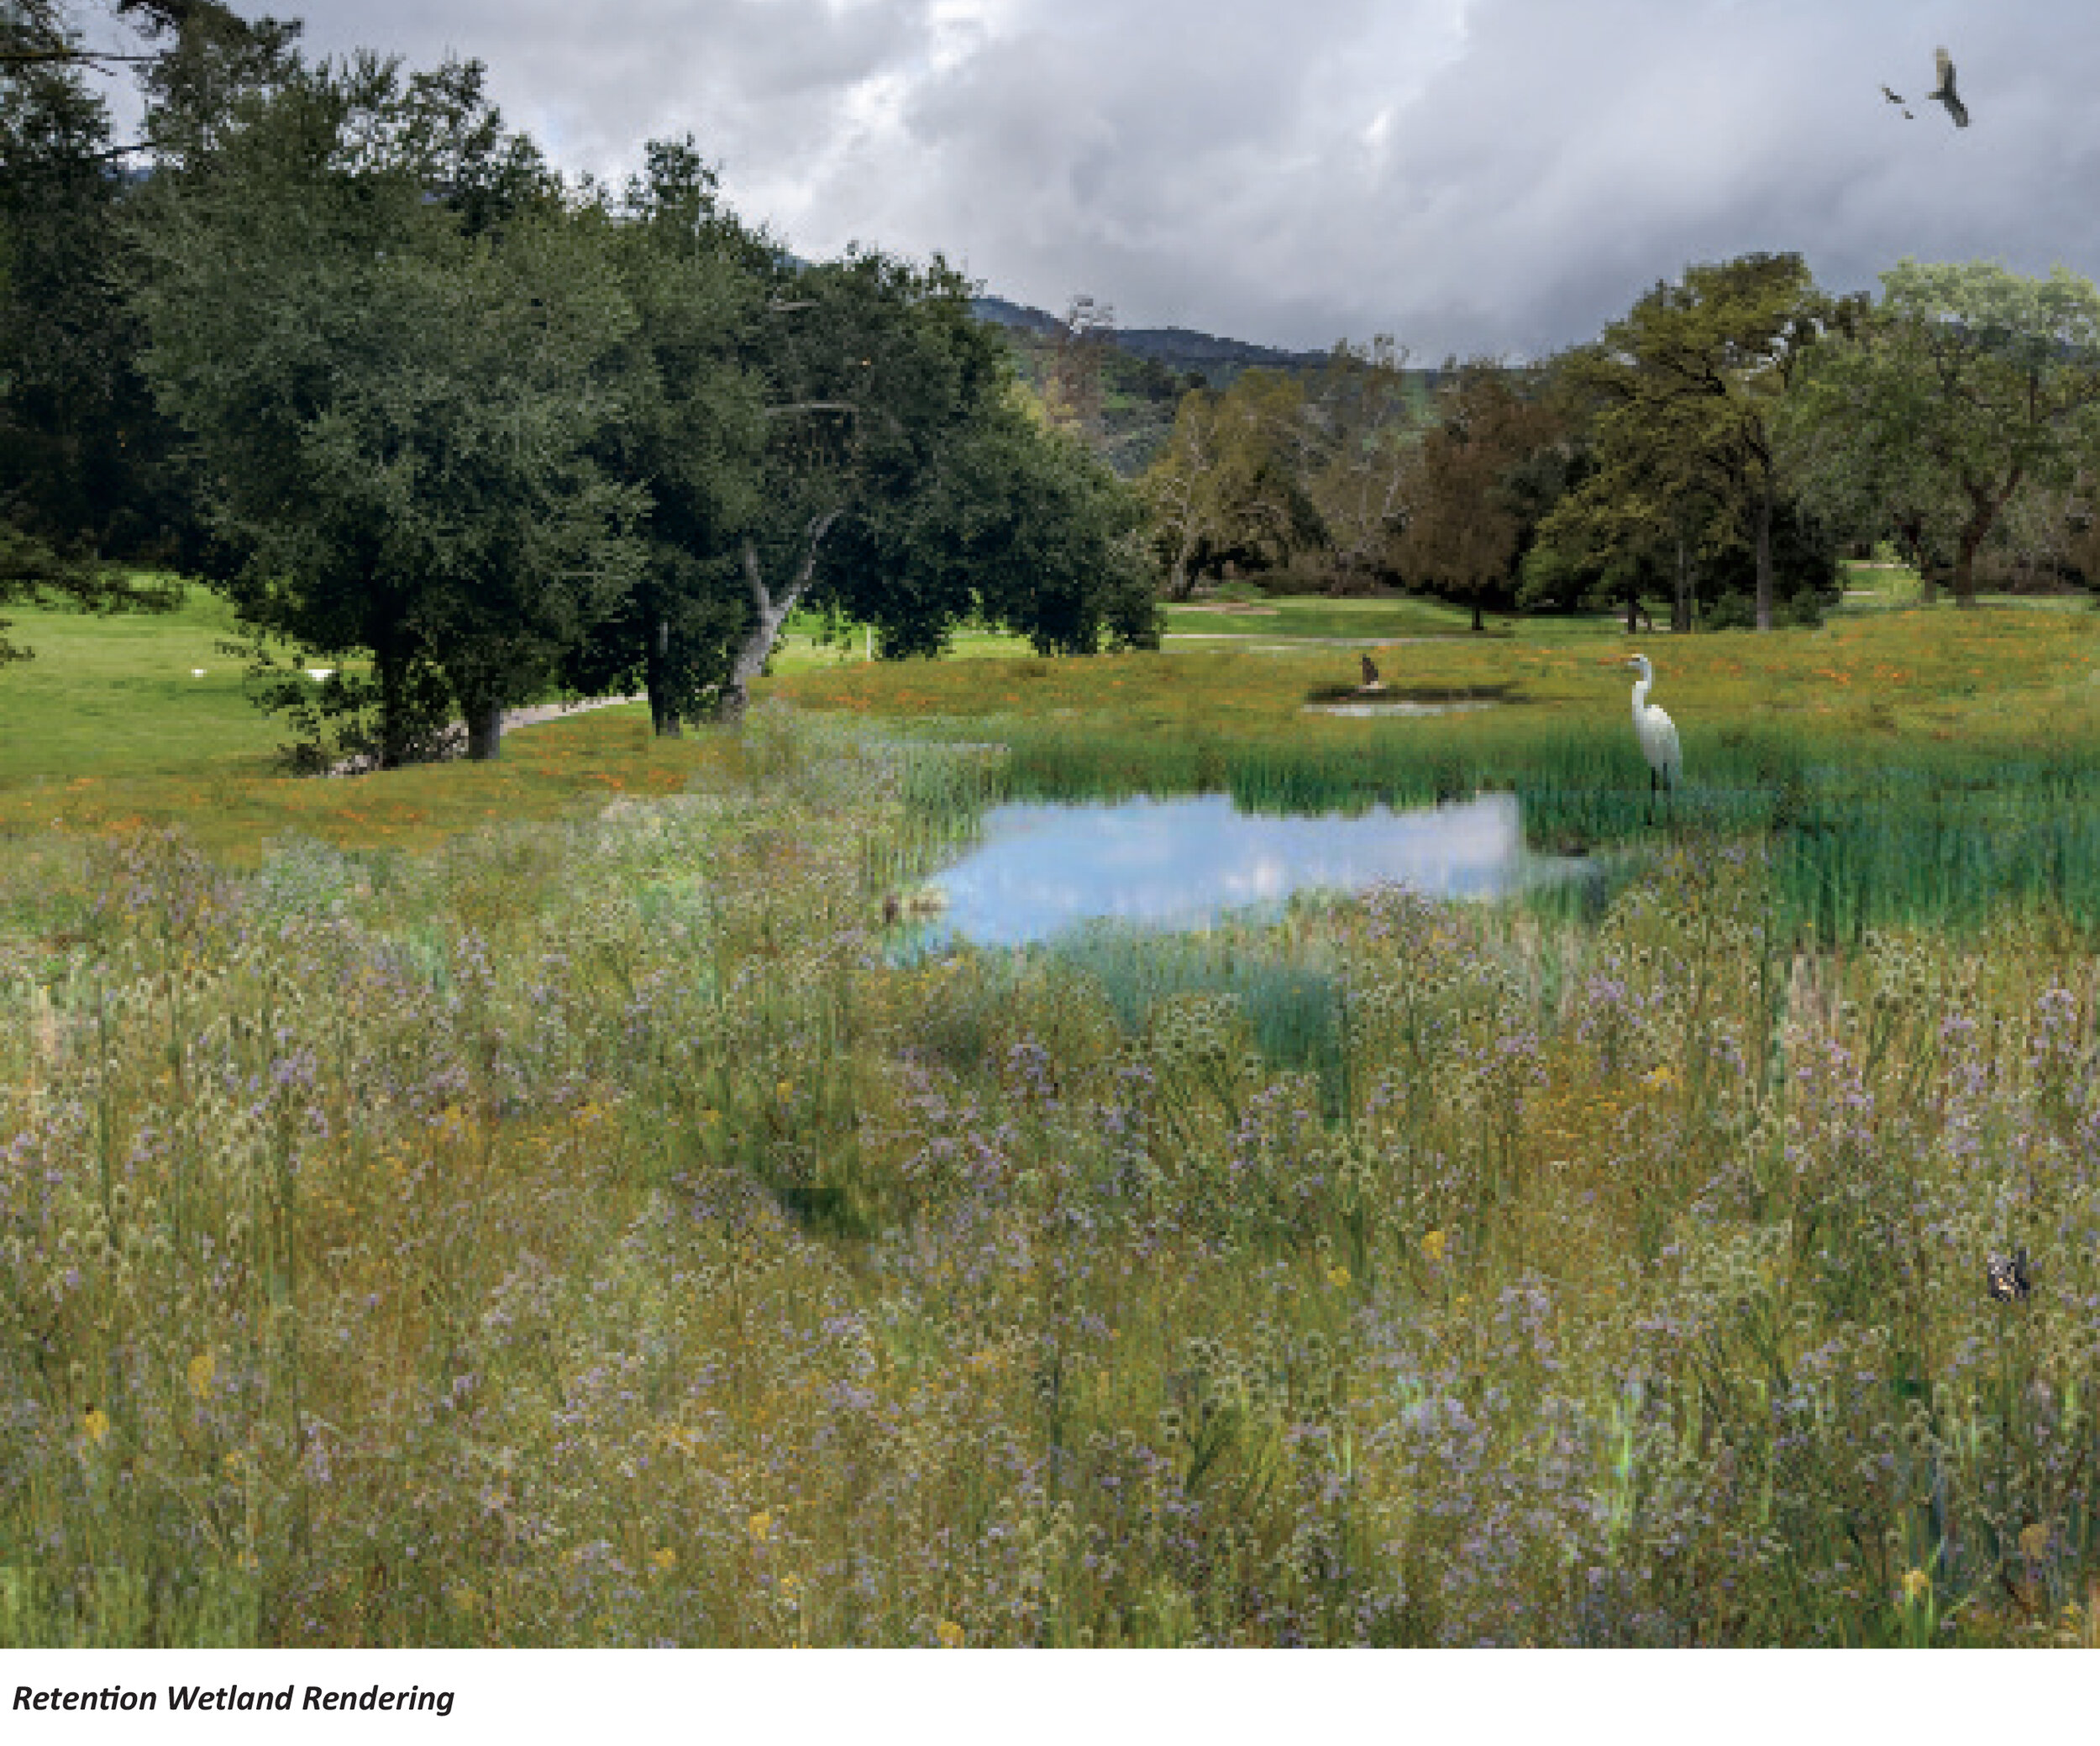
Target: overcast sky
1468	175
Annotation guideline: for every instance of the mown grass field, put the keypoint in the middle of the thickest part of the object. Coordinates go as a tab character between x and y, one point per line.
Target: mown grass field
520	1204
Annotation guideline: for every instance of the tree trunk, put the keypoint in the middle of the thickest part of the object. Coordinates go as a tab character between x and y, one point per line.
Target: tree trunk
393	707
1681	607
663	716
1984	505
1476	623
1764	554
484	733
1911	530
751	658
1180	584
1965	564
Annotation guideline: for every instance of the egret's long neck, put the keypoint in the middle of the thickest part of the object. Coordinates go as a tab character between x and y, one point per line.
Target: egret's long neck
1640	695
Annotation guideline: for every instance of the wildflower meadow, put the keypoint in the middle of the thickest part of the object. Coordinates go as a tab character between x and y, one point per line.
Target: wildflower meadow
583	1229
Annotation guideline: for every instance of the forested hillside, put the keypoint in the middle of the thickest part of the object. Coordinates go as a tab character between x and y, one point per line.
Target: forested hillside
1143	372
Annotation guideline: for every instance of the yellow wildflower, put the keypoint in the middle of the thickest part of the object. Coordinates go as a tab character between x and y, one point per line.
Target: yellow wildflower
95	1425
949	1633
1433	1246
1917	1584
786	1090
1337	1277
202	1368
2034	1542
761	1526
664	1558
1662	1075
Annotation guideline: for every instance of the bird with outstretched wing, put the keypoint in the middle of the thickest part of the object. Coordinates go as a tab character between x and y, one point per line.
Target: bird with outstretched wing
1891	95
1944	94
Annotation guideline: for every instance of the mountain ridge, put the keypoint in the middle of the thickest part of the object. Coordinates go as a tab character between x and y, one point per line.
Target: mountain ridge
1183	347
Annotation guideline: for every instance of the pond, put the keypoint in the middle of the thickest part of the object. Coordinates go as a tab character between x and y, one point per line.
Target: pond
1041	868
1401	708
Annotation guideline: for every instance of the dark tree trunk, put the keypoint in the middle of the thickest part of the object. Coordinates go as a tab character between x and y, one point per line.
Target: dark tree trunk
1764	554
484	733
1983	508
1910	530
1680	606
1477	624
1965	567
663	716
392	668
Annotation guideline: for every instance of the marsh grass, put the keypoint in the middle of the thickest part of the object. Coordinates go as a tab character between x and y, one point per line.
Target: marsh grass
1899	764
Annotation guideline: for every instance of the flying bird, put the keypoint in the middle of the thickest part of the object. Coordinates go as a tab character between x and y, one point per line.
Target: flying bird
1656	732
1892	97
1944	94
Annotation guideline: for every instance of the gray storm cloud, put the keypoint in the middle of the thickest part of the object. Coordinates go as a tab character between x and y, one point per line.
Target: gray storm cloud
1503	175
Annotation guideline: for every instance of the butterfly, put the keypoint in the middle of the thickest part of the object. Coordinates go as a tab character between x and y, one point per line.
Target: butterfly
2008	1278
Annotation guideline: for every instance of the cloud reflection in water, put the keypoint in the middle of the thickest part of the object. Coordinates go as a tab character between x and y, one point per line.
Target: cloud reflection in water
1041	868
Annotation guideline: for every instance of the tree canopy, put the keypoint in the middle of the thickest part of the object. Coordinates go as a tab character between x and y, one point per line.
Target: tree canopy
1685	390
82	479
1966	384
390	396
1461	524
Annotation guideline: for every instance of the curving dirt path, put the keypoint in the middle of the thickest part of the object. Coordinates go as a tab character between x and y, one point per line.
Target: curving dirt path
513	719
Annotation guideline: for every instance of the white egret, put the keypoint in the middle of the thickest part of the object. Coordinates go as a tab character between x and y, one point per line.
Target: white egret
196	673
1656	732
319	672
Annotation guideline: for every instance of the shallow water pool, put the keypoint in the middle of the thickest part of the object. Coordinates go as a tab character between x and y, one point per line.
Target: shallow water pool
1040	868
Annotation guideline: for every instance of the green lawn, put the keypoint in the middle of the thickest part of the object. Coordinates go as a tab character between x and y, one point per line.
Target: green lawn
1317	615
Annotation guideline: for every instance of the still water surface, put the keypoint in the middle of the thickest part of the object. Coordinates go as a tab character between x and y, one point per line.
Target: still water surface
1040	868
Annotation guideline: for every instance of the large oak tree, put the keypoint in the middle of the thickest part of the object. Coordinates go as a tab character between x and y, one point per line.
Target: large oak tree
1687	389
391	349
1965	385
